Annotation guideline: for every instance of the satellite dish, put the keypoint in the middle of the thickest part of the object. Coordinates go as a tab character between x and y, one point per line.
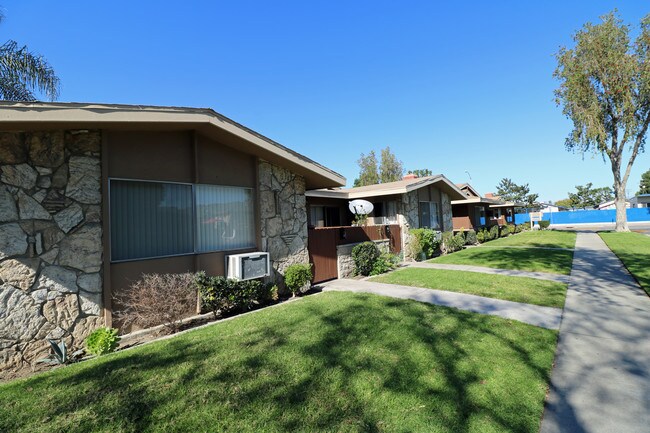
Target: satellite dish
360	207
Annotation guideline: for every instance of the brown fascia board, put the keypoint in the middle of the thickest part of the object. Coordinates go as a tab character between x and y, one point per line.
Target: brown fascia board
347	194
39	115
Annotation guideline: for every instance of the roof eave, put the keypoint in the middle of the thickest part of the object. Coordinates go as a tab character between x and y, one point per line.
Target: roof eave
24	114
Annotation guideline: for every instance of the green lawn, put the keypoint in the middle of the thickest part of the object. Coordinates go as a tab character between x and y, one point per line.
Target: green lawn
517	289
523	259
541	238
634	251
331	362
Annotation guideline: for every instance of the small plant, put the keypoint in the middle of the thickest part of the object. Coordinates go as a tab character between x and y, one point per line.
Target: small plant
102	340
297	276
360	220
471	237
386	262
512	229
427	239
494	232
480	236
544	224
451	242
364	256
414	249
504	231
158	299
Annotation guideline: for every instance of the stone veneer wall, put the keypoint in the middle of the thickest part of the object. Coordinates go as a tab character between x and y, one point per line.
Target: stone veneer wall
50	241
447	216
283	218
408	210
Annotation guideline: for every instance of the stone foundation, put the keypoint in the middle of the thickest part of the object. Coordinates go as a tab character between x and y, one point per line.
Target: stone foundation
50	242
283	218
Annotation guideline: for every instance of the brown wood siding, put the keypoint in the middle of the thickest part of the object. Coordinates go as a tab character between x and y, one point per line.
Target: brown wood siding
172	156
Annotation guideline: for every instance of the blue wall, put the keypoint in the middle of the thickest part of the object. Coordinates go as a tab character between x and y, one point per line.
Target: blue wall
587	216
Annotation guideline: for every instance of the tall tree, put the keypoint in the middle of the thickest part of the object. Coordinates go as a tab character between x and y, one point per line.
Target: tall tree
22	73
644	184
510	191
368	171
422	172
565	202
588	197
605	90
390	169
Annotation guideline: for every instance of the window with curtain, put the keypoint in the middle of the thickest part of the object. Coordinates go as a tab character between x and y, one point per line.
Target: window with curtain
158	219
225	218
429	214
150	219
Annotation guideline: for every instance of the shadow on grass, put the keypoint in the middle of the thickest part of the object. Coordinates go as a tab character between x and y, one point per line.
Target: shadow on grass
535	260
335	362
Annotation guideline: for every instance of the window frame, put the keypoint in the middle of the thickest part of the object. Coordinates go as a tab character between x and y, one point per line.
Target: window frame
437	214
194	227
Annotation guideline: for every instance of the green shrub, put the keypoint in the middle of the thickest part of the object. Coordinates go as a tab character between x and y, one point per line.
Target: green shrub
427	240
494	232
480	236
364	256
504	231
414	249
512	229
471	237
451	242
297	276
102	341
544	224
222	295
386	262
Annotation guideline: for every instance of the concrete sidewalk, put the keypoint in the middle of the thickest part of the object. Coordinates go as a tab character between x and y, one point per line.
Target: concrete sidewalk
545	317
484	270
601	379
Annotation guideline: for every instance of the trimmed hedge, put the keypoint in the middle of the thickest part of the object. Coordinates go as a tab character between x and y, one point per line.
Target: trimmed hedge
223	295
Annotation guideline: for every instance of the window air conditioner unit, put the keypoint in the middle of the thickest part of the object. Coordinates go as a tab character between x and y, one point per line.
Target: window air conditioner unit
248	266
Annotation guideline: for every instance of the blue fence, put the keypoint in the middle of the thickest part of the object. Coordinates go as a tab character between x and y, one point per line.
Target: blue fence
587	216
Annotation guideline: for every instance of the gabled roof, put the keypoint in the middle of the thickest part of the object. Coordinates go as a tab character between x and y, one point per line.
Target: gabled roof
468	187
46	115
391	188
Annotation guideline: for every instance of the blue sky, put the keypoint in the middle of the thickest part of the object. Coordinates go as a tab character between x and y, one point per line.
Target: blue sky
456	88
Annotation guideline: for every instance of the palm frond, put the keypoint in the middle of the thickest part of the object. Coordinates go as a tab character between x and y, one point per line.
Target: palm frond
22	72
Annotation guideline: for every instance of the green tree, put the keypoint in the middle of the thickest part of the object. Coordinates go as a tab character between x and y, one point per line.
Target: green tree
22	73
390	169
588	197
422	172
509	191
644	185
565	202
605	90
368	172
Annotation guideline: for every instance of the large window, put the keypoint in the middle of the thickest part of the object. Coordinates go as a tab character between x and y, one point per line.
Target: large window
224	218
158	219
429	215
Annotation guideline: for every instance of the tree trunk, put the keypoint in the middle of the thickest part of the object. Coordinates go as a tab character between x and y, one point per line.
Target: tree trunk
621	214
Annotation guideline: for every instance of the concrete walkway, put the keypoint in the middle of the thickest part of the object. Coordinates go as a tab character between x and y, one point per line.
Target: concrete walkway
545	317
601	379
509	272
